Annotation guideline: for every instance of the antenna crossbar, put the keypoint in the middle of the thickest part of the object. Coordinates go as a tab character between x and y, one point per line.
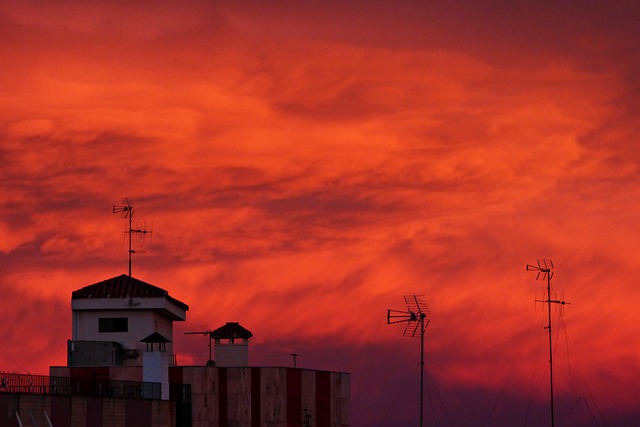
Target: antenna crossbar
544	267
412	328
396	316
415	304
127	212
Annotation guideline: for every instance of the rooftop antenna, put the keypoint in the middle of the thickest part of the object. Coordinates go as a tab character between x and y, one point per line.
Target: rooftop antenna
416	319
127	212
210	362
544	269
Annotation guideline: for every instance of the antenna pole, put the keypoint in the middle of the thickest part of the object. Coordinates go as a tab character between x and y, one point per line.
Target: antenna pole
130	236
414	317
422	316
544	270
550	348
210	333
127	212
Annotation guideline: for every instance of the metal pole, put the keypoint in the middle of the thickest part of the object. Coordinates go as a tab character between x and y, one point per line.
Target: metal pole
48	419
421	367
550	347
544	268
130	232
413	314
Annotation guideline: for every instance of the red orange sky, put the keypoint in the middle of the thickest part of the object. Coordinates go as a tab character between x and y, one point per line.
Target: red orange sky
306	165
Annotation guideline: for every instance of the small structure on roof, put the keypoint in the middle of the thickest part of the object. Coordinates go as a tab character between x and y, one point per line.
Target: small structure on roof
115	320
231	345
156	338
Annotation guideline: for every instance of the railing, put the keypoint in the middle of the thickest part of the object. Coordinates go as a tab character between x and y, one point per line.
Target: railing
63	386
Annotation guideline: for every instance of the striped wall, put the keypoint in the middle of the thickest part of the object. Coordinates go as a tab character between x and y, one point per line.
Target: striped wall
259	396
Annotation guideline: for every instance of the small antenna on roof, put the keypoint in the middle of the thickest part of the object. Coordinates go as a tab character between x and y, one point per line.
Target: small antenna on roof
127	212
210	362
416	319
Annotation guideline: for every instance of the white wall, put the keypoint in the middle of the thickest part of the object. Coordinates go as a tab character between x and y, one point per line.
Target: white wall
235	354
155	369
141	324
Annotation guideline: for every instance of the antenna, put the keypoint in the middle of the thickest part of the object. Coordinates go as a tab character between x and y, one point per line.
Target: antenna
127	212
544	269
416	319
210	362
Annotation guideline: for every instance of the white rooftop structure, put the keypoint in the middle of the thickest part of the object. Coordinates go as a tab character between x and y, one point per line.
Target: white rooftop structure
111	319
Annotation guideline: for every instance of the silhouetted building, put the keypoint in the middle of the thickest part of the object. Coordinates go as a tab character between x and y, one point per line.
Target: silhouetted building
121	372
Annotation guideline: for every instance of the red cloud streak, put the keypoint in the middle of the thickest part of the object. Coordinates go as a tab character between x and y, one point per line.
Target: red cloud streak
305	166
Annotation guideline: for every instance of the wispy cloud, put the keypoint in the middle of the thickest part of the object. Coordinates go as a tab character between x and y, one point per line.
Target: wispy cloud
303	170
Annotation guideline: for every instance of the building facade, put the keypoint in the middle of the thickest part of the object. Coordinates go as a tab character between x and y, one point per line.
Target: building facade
112	319
266	396
123	331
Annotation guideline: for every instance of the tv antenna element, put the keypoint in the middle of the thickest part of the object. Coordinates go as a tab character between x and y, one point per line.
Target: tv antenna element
210	362
416	319
127	212
544	272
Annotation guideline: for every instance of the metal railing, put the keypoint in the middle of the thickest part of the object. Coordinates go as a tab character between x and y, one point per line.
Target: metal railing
63	386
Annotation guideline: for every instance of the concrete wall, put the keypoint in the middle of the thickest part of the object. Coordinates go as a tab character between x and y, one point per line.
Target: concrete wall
273	396
340	398
75	411
93	353
115	373
159	305
309	392
245	396
204	392
265	396
232	354
141	324
239	396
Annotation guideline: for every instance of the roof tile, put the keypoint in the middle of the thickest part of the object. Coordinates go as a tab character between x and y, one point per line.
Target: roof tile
124	286
231	330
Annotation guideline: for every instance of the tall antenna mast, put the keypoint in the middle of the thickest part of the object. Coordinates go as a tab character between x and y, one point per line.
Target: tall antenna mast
127	212
544	269
416	319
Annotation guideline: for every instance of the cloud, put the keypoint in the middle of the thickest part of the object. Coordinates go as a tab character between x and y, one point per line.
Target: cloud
302	171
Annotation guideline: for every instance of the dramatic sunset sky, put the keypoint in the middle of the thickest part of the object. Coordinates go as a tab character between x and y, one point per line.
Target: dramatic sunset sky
304	165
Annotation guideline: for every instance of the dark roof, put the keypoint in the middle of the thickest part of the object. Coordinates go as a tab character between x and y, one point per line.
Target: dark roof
124	287
231	330
155	337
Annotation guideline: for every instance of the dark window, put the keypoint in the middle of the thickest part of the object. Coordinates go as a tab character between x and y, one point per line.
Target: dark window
113	324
